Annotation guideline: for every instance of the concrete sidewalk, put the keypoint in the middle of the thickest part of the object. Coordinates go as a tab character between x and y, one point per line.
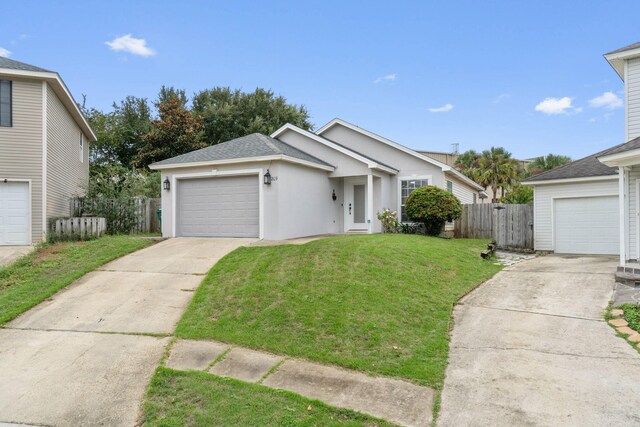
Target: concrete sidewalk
9	254
395	400
78	358
530	347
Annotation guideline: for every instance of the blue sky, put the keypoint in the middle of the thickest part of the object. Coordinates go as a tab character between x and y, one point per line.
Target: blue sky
425	74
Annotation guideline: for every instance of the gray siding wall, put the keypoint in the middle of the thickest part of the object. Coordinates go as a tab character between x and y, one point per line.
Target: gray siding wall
633	182
67	176
461	190
632	89
543	205
21	146
406	164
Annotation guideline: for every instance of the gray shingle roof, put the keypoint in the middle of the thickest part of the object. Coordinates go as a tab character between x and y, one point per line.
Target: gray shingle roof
587	166
622	49
17	65
254	145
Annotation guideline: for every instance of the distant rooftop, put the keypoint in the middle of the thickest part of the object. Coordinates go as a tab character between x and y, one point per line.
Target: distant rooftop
12	64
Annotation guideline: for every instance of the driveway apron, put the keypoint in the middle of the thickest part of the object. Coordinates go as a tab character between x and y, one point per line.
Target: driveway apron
531	347
85	356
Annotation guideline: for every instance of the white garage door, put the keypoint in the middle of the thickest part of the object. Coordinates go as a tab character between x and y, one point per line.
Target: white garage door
587	225
14	213
218	207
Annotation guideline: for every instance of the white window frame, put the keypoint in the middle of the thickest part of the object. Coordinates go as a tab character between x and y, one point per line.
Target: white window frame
428	178
81	147
448	182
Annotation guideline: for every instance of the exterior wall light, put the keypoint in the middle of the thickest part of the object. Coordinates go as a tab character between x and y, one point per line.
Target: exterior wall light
166	184
333	195
267	178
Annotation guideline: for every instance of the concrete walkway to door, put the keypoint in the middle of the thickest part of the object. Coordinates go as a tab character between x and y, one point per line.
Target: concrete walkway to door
531	347
84	357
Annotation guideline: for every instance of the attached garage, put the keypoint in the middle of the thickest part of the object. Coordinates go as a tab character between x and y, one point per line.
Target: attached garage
218	207
14	213
586	225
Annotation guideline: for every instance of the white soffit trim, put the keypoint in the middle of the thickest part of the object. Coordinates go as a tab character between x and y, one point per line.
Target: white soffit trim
61	90
617	60
624	158
244	160
45	155
573	180
370	163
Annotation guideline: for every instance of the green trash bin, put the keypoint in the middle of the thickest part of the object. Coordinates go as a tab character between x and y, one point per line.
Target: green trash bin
159	214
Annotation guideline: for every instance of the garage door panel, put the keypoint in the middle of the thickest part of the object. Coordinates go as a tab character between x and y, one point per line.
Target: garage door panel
218	207
587	225
14	213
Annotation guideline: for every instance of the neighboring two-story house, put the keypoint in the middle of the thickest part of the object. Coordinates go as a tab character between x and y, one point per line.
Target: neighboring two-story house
592	205
44	151
297	183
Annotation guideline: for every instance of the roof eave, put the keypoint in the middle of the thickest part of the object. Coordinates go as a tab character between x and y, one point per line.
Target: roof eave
571	180
616	59
61	90
155	166
624	158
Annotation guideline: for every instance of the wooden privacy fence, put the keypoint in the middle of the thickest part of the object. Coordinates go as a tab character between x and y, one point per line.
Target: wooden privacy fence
511	226
85	228
127	215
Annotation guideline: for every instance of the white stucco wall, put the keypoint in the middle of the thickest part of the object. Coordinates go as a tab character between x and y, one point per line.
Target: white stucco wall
543	205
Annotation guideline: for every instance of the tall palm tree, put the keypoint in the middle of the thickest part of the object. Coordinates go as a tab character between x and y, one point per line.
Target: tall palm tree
548	162
497	169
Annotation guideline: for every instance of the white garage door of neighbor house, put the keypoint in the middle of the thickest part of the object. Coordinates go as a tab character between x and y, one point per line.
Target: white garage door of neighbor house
218	207
587	225
14	213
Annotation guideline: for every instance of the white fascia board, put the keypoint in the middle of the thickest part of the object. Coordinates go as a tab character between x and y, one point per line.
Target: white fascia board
572	180
617	60
466	179
386	141
61	89
625	158
370	164
244	160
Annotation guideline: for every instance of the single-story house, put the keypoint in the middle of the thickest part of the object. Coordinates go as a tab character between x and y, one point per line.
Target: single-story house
44	151
297	183
592	205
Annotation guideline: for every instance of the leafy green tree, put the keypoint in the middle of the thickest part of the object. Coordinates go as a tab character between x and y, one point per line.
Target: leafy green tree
467	163
175	132
167	93
548	162
497	169
519	195
230	114
433	207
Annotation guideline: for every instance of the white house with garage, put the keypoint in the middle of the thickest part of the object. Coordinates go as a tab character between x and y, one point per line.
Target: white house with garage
44	151
592	205
297	183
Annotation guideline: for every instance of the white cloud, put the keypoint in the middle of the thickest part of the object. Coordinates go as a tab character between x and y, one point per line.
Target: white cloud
387	78
608	100
501	97
444	109
557	106
4	52
131	45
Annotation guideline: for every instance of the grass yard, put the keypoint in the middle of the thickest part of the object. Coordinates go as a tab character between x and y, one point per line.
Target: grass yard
376	303
37	276
632	315
179	398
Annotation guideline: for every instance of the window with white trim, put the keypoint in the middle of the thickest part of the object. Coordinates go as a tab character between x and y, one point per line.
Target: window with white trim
450	186
81	148
475	198
406	187
5	103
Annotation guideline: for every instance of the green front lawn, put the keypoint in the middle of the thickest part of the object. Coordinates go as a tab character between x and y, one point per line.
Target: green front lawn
179	398
37	276
632	315
376	303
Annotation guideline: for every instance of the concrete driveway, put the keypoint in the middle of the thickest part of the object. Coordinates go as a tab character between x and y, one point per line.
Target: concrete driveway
85	356
530	347
8	254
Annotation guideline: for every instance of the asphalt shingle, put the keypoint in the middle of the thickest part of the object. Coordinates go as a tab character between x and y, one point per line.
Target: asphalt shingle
12	64
254	145
587	166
